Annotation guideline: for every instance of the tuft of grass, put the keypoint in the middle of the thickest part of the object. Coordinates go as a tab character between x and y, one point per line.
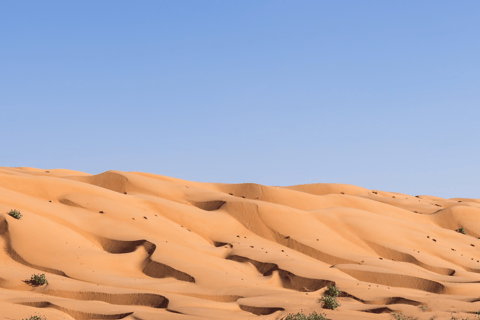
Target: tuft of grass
333	291
38	279
330	302
462	230
15	213
301	316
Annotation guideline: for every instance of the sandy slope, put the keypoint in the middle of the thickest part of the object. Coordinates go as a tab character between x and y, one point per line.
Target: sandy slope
128	245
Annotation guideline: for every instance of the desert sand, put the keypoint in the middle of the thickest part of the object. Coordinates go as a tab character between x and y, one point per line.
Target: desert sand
139	246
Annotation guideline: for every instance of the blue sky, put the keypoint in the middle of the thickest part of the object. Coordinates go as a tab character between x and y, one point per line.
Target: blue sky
380	94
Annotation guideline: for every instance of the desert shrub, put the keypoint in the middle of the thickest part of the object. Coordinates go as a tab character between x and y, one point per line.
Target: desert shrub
301	316
330	302
424	308
333	291
462	230
15	213
399	316
38	279
36	318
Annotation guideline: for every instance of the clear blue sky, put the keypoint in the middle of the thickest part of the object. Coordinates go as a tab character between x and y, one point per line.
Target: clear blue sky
380	94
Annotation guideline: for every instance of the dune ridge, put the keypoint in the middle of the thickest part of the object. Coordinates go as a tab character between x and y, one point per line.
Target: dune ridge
132	245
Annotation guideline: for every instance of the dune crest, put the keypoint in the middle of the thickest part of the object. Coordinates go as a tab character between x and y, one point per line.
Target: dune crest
139	246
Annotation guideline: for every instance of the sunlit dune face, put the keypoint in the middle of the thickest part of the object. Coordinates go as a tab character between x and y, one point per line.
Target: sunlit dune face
128	245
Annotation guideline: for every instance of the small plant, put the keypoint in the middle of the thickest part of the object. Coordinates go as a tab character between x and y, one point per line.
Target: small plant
15	213
301	316
38	279
333	291
399	316
462	230
424	308
36	318
330	302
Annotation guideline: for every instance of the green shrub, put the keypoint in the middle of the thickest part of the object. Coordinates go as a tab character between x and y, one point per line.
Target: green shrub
38	279
36	318
330	302
424	308
399	316
301	316
333	291
462	230
16	214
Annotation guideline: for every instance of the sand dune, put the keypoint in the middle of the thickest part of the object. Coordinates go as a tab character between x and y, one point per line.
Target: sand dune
139	246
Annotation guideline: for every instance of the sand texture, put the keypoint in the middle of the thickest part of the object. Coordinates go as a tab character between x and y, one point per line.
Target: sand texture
139	246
